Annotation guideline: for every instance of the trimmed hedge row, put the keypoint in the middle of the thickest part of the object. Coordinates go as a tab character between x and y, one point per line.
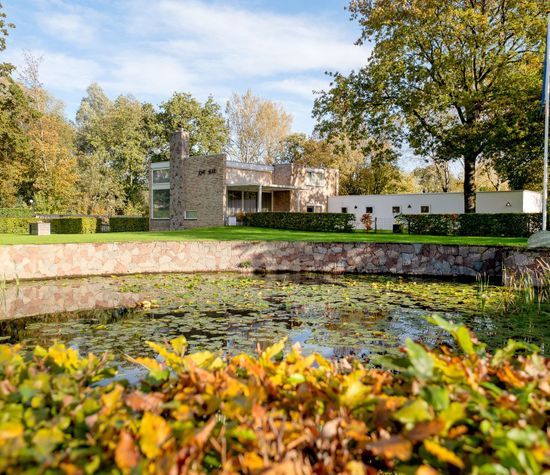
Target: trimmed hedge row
16	213
119	224
474	224
16	225
327	222
75	225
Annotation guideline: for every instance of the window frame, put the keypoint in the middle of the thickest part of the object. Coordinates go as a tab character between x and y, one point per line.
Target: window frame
153	191
425	206
186	216
344	208
398	208
371	209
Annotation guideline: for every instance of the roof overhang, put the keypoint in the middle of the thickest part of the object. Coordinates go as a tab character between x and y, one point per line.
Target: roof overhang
256	187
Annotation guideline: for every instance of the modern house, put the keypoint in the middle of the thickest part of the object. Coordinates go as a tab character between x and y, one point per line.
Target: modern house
190	192
385	208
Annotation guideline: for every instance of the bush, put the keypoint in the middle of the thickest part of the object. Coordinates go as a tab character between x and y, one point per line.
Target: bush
474	224
75	225
327	222
119	224
16	225
441	411
366	219
16	213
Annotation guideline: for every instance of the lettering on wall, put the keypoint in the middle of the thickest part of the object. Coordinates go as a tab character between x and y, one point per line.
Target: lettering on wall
210	171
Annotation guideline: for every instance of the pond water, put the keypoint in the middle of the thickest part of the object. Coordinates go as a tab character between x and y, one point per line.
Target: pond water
364	316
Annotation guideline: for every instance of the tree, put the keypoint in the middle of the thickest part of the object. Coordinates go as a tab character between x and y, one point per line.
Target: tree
15	116
51	176
436	177
448	77
257	128
204	123
116	140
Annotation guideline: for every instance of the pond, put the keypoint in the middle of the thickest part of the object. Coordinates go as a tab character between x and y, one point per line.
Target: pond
364	316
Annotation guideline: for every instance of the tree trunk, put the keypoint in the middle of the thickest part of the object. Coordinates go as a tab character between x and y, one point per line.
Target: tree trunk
469	184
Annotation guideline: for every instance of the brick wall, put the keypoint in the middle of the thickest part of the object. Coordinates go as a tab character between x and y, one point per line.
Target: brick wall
204	182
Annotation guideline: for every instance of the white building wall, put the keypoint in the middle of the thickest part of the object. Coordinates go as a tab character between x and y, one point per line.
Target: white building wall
438	203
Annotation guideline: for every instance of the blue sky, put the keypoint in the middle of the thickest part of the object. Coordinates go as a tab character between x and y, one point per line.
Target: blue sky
279	49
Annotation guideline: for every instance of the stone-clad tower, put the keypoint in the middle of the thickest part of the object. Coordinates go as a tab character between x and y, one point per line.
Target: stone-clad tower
179	153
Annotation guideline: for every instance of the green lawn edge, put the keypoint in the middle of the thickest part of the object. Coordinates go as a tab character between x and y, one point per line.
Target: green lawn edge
258	234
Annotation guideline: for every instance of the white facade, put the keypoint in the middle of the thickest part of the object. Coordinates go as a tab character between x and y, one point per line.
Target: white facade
384	208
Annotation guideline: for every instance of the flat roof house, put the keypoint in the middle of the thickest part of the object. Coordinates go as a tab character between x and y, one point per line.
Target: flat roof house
206	191
385	208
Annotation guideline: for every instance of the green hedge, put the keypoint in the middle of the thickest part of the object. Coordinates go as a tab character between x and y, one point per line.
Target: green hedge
327	222
16	213
16	225
75	225
119	224
443	411
474	224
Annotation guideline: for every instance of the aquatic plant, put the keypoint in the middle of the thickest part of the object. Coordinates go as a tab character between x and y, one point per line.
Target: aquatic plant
440	411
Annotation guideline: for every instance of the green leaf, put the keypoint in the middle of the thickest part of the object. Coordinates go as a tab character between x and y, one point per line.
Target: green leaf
420	359
416	411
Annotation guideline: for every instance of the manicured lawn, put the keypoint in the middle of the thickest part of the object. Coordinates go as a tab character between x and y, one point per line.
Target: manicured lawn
256	234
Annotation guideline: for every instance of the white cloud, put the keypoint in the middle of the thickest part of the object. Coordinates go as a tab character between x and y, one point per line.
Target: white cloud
241	42
70	27
303	86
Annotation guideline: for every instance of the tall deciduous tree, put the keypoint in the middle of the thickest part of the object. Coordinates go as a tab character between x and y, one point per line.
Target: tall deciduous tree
204	123
115	139
51	176
15	117
446	76
257	128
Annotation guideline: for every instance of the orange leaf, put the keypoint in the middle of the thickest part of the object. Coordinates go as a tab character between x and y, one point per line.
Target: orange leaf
423	430
139	401
394	447
126	453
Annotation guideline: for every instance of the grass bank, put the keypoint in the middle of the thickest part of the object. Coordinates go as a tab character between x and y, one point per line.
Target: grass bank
256	234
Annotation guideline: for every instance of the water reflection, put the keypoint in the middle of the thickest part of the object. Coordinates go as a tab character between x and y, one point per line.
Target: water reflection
366	317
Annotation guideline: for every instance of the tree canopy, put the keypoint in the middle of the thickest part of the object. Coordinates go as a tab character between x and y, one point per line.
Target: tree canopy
450	78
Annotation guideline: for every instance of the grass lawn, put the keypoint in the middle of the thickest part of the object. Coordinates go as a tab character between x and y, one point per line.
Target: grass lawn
256	234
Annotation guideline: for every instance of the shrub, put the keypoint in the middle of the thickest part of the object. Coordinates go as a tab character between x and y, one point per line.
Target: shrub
85	225
16	213
366	219
16	225
327	222
128	223
441	411
474	224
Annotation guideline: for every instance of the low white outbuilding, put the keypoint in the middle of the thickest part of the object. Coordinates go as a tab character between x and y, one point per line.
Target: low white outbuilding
385	208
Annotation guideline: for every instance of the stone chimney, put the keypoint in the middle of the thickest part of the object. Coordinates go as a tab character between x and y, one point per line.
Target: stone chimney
179	152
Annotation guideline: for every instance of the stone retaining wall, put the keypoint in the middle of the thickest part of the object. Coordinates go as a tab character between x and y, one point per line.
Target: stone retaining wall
534	262
71	260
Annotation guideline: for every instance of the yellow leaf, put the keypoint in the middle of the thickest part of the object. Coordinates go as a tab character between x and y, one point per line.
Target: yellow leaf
153	432
10	430
355	394
274	350
252	461
443	454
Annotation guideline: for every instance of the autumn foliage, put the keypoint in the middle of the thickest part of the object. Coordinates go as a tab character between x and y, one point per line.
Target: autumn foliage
443	411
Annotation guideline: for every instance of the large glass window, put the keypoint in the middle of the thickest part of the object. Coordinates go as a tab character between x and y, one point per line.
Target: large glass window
161	204
161	176
315	178
234	202
250	199
266	202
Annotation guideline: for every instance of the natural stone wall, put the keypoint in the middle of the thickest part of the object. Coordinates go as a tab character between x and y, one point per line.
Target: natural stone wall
65	260
532	262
